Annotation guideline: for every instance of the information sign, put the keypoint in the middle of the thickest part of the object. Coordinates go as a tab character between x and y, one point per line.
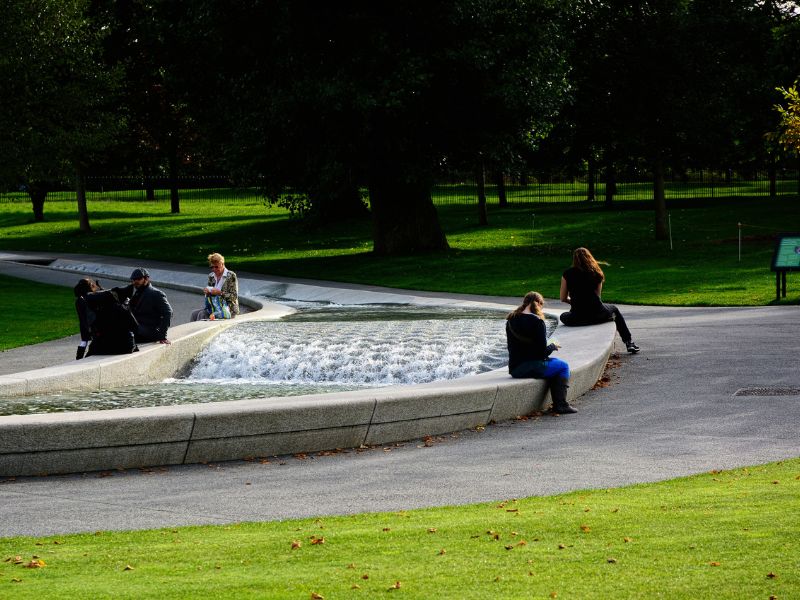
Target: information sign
787	253
785	258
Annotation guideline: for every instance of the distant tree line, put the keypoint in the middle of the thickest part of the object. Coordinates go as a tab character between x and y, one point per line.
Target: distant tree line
328	98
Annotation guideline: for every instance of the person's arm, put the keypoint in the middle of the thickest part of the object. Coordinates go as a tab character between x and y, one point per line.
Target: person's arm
564	291
600	289
541	338
230	288
165	314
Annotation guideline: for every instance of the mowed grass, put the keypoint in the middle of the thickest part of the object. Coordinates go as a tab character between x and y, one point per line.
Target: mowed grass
35	312
522	248
730	534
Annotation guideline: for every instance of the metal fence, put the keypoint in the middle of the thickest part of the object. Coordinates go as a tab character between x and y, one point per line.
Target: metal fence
450	190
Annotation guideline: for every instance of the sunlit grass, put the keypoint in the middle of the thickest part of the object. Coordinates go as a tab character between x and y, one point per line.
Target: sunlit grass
522	248
719	535
35	312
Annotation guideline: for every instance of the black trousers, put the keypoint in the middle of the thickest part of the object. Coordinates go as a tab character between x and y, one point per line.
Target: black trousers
609	313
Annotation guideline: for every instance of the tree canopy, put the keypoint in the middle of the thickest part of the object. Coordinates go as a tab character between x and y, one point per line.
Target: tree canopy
57	109
317	102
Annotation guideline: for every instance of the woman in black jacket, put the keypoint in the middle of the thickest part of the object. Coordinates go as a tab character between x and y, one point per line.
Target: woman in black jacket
581	286
113	326
529	352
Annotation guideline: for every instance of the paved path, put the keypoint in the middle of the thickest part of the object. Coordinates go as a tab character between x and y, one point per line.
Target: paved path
669	411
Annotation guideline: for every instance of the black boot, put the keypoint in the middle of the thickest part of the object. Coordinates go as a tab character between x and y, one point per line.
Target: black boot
558	390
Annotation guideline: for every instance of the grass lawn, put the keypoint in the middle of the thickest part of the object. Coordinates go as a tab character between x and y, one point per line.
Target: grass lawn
730	534
48	313
522	249
721	535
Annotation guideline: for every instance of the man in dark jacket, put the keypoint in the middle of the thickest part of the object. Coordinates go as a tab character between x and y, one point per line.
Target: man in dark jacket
150	307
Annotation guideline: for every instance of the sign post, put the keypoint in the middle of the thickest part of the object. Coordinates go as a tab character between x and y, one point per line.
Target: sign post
785	258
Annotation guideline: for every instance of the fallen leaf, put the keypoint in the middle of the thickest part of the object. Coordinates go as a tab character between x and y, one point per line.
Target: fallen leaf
296	544
387	528
317	540
442	551
432	530
35	564
771	575
715	563
509	547
365	576
128	568
395	586
627	539
512	510
316	596
351	566
16	580
611	560
522	543
561	546
355	586
554	594
585	528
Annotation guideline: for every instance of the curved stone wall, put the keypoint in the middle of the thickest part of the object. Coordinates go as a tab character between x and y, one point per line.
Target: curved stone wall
170	435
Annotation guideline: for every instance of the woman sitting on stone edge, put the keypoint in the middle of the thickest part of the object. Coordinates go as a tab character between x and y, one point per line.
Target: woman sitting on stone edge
529	352
581	286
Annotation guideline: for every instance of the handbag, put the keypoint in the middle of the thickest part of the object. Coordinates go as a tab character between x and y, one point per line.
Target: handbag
217	307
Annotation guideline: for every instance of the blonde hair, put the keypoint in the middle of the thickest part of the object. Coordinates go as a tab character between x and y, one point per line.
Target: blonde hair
533	299
216	258
583	260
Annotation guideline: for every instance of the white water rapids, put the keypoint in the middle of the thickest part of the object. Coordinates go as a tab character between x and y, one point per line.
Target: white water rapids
371	353
317	350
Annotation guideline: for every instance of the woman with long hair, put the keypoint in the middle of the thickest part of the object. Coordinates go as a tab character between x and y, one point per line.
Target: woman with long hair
529	352
581	288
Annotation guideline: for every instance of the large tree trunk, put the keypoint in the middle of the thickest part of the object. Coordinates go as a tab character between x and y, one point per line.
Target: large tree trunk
37	193
483	217
591	176
772	173
500	182
174	198
611	183
404	219
660	200
80	193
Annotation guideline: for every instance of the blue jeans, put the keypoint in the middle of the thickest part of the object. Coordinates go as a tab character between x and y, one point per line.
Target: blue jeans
550	368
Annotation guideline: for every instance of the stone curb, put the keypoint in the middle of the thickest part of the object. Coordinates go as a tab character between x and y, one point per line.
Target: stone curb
140	437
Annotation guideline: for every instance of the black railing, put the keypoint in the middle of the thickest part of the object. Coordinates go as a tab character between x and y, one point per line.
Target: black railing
448	190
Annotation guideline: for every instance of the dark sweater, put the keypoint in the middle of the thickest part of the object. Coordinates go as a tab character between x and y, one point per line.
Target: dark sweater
526	335
582	286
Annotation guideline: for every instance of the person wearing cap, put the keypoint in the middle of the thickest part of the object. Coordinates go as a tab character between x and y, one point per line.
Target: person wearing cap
150	307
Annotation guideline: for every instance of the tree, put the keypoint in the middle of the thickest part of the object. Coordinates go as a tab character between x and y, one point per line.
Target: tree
328	96
790	118
670	82
57	111
151	39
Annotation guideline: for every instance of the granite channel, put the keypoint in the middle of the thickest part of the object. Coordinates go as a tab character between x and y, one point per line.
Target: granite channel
141	437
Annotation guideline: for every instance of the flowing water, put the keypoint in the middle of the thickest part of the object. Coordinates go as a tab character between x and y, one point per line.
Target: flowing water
319	349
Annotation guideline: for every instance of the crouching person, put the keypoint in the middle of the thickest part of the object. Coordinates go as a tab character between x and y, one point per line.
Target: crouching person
529	352
113	326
